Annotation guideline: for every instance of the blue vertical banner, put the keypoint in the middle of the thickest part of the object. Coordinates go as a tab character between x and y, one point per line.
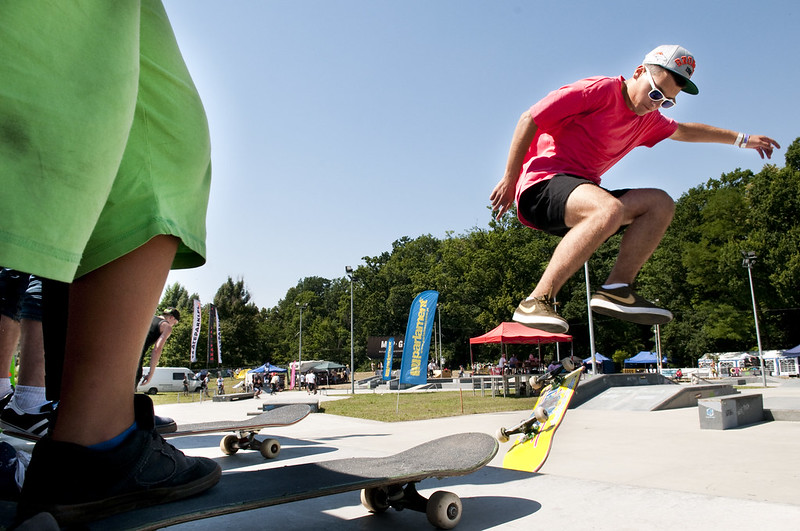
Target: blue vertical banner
387	360
413	368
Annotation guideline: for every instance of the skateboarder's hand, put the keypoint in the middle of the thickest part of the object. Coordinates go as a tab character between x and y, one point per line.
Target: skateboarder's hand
763	144
502	197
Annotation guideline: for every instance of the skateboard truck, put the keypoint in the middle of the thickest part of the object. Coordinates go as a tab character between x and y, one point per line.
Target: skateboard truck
556	376
530	426
246	440
443	508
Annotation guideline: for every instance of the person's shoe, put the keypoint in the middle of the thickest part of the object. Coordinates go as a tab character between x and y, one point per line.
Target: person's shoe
625	304
539	313
29	425
165	425
6	399
78	484
10	465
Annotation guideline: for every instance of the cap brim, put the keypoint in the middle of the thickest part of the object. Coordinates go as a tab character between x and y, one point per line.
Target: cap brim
690	88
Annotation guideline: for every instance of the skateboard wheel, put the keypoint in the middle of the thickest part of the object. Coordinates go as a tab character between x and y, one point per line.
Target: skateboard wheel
229	444
568	364
501	435
270	448
444	510
374	499
541	414
535	383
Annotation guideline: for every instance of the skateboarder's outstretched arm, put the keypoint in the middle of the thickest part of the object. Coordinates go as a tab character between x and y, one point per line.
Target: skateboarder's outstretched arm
696	132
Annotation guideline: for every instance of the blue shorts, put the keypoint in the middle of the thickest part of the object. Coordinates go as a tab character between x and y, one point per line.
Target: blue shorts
20	295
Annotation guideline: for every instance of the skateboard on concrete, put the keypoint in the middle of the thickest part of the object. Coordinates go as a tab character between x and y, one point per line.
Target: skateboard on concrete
529	452
384	482
244	431
243	435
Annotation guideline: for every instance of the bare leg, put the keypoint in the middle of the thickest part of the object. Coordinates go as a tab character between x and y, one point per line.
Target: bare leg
9	338
110	310
650	213
31	359
595	215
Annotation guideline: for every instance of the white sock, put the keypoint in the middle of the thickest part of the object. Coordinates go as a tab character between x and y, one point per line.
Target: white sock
29	399
5	386
531	297
614	286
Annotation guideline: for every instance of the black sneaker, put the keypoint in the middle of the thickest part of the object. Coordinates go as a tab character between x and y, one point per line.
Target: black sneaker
539	313
165	425
9	467
625	304
78	484
30	426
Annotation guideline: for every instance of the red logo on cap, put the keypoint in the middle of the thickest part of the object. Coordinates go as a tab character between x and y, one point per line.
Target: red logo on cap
687	60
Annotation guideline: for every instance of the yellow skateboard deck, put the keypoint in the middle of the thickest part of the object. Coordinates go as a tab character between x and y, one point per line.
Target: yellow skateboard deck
529	452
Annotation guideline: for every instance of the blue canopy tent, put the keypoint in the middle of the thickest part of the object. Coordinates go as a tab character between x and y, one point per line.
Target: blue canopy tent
644	358
267	367
605	365
792	352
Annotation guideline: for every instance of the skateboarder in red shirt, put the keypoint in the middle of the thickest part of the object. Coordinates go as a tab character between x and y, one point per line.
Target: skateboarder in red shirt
568	140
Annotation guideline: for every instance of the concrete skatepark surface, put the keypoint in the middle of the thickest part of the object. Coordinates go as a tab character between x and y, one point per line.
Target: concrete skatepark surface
609	469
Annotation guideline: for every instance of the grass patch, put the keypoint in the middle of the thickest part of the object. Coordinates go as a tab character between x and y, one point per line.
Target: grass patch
179	398
420	406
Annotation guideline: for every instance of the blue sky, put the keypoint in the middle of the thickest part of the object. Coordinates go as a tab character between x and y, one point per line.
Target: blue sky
338	127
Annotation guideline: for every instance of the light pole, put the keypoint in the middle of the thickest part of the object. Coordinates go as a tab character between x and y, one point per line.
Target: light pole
749	258
657	338
349	271
591	321
300	343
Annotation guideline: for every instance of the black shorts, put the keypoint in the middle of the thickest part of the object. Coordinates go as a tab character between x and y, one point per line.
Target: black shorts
544	203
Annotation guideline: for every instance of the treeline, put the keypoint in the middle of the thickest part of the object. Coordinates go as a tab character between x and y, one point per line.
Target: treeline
481	276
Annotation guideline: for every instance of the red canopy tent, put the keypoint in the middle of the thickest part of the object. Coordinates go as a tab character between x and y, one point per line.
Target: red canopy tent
517	333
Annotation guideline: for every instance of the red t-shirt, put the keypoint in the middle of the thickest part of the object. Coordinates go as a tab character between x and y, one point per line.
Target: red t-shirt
585	128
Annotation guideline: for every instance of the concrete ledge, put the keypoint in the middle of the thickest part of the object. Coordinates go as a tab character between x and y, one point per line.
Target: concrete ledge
688	396
787	415
313	404
232	397
730	411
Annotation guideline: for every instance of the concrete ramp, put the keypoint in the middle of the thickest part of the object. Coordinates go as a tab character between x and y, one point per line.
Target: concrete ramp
642	392
631	398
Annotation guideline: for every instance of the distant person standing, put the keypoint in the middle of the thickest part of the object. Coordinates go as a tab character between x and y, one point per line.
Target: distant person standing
311	382
257	384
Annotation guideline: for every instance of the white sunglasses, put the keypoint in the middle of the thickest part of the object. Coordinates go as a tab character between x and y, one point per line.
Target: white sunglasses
656	94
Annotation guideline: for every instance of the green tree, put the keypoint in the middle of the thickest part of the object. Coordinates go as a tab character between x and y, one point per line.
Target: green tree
239	323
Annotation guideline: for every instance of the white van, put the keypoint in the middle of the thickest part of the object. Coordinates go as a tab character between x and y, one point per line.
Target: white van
169	379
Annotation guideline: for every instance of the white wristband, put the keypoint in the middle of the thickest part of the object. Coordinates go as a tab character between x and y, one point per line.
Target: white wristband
738	141
744	141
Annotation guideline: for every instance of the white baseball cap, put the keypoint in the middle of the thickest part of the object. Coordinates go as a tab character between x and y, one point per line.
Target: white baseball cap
676	59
